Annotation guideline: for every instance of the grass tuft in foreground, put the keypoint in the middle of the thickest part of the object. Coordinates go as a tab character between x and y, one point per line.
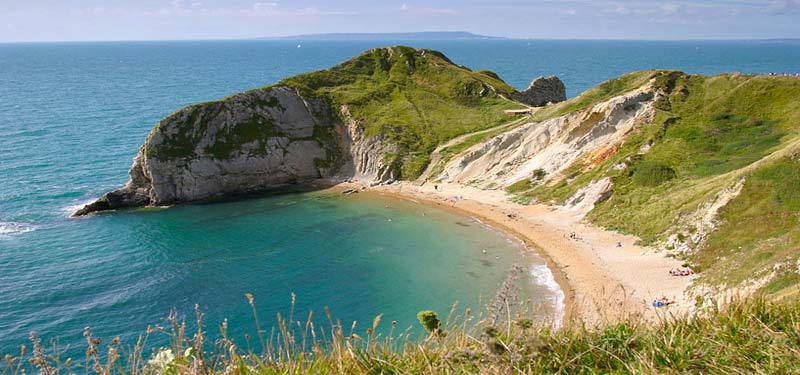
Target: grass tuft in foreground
746	337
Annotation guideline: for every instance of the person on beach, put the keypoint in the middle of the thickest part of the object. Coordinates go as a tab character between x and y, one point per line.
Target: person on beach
662	302
681	272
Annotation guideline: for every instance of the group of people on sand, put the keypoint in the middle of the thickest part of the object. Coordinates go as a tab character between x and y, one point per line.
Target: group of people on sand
681	272
662	302
574	236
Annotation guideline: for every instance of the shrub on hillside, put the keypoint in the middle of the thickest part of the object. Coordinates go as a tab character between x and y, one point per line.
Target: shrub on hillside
652	173
429	320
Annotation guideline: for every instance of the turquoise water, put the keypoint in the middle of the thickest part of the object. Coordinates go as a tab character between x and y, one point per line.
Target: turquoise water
73	115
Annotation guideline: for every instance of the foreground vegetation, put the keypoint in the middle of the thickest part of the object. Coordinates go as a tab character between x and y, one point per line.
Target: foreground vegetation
745	337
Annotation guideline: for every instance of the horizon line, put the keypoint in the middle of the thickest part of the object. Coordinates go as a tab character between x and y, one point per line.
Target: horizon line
290	38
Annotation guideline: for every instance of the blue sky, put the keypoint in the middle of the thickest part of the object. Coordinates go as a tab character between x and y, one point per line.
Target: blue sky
71	20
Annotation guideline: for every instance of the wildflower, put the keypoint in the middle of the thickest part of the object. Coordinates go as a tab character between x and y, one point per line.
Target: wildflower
163	359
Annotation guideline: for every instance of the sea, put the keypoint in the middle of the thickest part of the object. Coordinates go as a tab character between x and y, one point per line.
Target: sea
72	116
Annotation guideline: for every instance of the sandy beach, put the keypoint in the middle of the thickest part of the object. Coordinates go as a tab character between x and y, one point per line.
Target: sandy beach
601	280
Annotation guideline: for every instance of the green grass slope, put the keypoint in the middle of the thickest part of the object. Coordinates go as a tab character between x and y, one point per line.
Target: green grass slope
597	94
707	134
417	98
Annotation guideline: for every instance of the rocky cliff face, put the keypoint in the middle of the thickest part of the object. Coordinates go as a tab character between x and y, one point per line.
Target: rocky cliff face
248	142
367	155
542	91
547	148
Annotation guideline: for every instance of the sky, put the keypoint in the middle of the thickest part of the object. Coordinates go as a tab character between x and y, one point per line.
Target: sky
93	20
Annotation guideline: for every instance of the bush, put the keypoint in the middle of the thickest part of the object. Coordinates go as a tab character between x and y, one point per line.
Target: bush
652	173
429	320
539	173
488	73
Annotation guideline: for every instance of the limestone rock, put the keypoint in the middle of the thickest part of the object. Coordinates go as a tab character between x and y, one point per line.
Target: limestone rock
551	145
542	91
251	141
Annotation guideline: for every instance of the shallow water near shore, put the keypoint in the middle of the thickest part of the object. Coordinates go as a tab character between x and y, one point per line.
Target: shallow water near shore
359	255
73	115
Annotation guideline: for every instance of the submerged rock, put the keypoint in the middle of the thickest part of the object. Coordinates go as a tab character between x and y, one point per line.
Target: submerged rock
542	91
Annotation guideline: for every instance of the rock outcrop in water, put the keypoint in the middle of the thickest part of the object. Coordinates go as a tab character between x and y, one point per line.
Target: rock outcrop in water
542	91
248	142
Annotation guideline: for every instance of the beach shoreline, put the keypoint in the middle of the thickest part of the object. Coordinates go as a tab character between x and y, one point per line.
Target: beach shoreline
601	281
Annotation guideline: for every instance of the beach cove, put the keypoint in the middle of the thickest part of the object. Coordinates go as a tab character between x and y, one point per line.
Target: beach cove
601	280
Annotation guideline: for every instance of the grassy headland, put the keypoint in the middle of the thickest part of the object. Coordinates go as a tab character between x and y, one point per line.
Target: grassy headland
417	98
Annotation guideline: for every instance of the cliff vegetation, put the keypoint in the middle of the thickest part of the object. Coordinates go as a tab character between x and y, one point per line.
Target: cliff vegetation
416	98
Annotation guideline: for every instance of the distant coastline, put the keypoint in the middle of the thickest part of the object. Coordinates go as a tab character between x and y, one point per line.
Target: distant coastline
426	35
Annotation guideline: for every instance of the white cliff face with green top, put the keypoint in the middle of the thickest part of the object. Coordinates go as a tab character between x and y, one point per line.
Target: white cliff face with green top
247	142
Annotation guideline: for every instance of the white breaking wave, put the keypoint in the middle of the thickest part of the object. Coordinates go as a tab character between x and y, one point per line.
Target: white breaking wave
10	228
69	210
542	275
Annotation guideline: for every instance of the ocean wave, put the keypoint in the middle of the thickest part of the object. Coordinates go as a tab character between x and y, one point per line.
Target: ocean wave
542	275
69	210
10	228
